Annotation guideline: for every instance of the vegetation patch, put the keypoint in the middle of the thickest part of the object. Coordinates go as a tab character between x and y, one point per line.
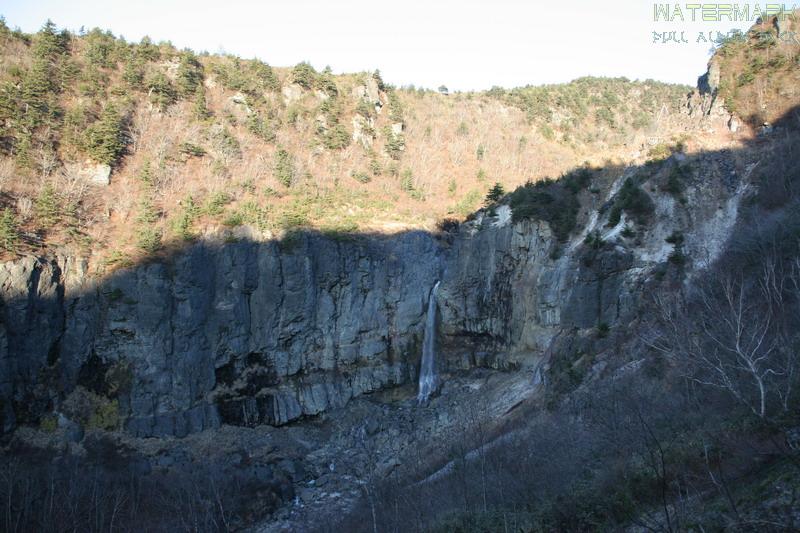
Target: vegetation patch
552	201
633	201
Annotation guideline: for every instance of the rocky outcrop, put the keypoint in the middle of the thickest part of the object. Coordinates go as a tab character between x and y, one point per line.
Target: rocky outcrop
364	130
370	92
95	173
292	93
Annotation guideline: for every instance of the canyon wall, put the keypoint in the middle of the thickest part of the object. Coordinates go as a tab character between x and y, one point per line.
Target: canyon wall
250	333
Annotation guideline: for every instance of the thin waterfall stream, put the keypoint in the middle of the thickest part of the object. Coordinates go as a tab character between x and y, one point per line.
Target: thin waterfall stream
428	380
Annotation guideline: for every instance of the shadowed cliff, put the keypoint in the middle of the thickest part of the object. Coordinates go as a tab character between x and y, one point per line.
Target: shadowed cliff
248	333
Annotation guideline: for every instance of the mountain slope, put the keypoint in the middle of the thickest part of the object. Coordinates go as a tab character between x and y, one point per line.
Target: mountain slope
190	143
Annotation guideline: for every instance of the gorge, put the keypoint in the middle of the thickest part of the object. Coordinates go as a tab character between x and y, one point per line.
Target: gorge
573	354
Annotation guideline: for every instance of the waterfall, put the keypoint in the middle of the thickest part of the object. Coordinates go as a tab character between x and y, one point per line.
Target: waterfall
428	380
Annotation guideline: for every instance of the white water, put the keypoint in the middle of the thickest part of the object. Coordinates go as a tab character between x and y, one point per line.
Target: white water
428	380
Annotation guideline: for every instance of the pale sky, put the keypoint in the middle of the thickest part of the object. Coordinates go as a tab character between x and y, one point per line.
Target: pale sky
463	44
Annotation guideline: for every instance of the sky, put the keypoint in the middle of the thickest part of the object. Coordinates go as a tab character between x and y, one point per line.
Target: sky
462	44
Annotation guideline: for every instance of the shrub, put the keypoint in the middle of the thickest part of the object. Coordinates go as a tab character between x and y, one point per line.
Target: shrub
577	180
304	75
395	144
452	187
336	138
199	105
149	239
105	414
632	200
360	176
191	150
659	152
225	144
255	215
407	181
605	115
375	167
547	200
260	128
283	168
264	76
326	83
234	219
48	423
628	232
594	240
675	182
745	78
365	109
216	203
547	132
9	232
292	219
676	257
480	152
182	225
100	48
379	80
448	225
468	203
145	174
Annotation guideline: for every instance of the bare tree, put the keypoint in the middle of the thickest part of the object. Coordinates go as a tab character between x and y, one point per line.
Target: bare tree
735	332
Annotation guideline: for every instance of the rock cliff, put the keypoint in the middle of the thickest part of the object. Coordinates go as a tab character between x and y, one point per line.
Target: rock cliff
250	333
242	333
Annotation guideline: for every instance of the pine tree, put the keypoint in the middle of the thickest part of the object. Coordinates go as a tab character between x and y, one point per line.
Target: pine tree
149	239
284	167
9	234
379	80
162	93
36	88
190	75
48	210
104	140
100	47
265	76
148	214
48	44
495	194
326	83
22	150
133	73
200	106
304	75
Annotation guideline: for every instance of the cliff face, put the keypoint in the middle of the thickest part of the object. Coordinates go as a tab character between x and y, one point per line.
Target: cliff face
250	333
244	333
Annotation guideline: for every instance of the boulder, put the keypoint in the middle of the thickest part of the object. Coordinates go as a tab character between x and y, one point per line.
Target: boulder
292	93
